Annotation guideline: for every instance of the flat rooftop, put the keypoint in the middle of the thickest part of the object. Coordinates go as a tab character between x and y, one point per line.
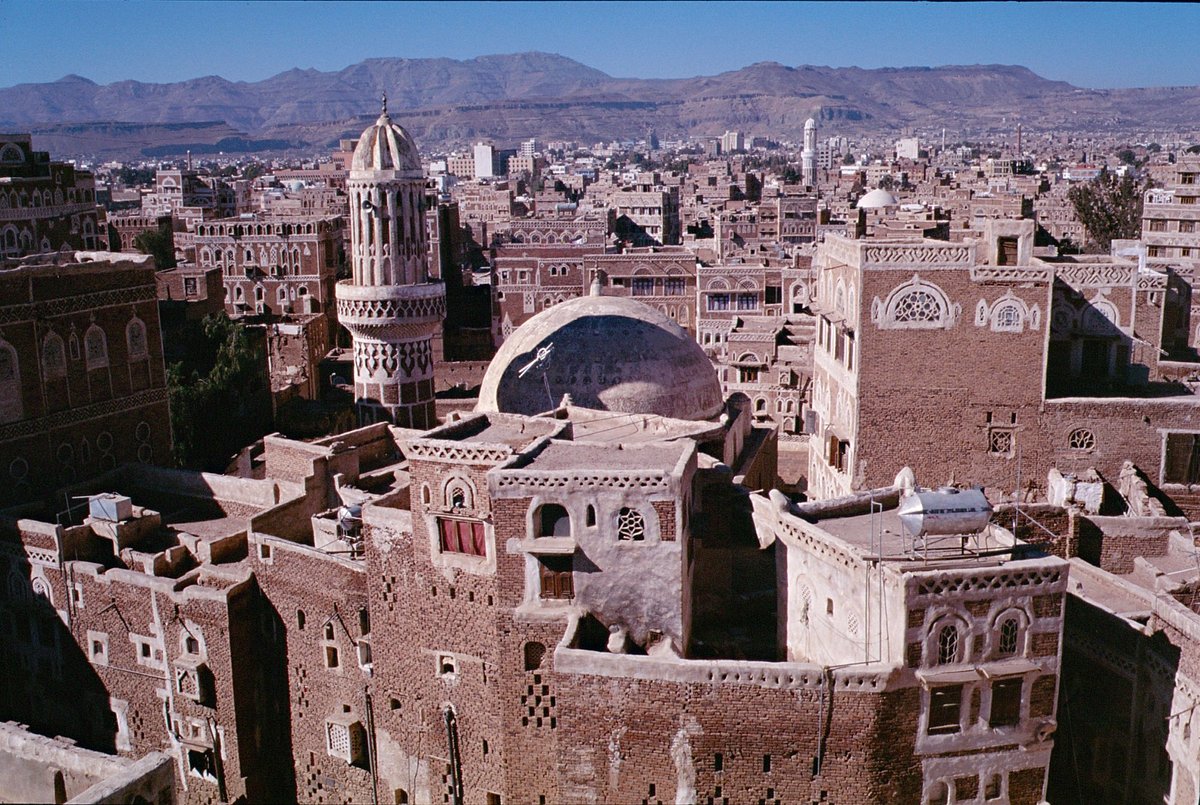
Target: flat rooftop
581	455
589	425
883	534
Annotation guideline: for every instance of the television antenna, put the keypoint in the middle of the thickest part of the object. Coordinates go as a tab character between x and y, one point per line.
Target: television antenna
540	358
539	361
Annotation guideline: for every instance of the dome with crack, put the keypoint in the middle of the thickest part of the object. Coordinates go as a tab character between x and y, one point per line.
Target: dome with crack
608	353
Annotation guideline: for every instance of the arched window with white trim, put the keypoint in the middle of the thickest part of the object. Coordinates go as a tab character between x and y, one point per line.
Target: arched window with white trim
916	305
1008	316
95	348
54	356
135	339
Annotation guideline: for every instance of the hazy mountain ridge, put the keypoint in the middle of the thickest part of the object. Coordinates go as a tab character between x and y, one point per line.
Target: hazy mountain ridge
514	96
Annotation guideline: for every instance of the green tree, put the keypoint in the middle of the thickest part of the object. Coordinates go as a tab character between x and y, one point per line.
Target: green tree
159	244
1127	156
218	393
1109	208
887	182
848	159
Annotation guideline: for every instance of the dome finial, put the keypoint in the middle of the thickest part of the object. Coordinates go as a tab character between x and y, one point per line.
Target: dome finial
383	112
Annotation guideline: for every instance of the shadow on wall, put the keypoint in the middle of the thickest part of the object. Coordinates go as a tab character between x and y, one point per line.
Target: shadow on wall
1114	704
49	683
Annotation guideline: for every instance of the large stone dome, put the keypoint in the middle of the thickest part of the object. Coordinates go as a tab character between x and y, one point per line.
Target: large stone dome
385	145
877	199
609	353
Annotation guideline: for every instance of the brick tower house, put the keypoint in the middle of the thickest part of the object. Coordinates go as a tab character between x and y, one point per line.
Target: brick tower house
390	306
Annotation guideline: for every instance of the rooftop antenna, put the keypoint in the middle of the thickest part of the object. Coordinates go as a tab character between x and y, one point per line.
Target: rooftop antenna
539	360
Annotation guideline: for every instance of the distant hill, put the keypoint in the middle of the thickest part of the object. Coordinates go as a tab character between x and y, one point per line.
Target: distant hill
515	96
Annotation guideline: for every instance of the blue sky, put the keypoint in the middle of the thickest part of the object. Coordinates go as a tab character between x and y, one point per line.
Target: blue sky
1090	45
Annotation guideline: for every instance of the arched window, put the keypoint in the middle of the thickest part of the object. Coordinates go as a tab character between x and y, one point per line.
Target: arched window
947	645
54	356
95	348
10	384
458	493
1010	630
591	515
553	521
135	338
916	304
1101	317
1008	317
630	525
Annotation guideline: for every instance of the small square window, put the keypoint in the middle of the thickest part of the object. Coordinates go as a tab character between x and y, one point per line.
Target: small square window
1000	441
447	665
331	657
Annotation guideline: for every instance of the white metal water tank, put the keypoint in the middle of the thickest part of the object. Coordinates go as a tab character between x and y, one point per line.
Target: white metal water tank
945	511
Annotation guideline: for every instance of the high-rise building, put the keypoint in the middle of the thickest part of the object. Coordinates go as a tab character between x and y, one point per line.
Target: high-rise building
485	161
390	305
733	142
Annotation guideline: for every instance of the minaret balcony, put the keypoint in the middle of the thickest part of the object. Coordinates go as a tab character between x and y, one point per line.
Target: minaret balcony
368	307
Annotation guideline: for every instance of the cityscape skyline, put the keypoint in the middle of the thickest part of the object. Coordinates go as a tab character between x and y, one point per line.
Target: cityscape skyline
251	42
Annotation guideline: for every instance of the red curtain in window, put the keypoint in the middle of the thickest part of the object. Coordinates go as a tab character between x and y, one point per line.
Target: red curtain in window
480	547
462	536
449	536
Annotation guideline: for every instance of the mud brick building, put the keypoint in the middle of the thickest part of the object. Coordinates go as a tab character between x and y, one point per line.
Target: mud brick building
82	379
274	264
975	359
44	206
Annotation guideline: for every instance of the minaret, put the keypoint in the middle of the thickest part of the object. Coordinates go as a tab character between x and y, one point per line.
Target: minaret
390	306
808	157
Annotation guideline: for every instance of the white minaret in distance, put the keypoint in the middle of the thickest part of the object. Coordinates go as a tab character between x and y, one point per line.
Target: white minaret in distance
808	157
390	306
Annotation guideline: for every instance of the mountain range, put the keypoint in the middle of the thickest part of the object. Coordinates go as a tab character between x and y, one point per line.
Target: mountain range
445	102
